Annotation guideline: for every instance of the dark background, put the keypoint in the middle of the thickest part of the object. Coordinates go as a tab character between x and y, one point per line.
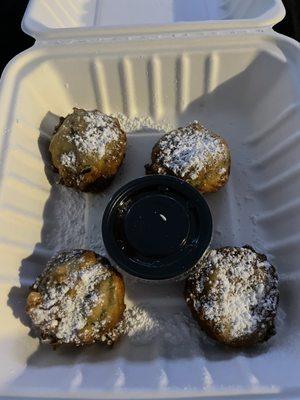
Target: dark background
13	40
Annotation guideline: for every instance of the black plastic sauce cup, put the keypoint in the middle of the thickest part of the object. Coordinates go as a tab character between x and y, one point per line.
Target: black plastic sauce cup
157	227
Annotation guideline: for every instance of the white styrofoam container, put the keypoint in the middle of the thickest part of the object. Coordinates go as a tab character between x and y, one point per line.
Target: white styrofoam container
73	18
244	85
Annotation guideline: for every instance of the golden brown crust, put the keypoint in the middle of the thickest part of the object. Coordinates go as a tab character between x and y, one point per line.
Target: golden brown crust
87	149
78	299
234	296
194	154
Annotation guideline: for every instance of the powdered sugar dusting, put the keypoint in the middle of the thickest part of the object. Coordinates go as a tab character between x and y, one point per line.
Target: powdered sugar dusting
66	305
190	150
64	218
207	379
142	122
68	159
163	380
236	290
100	130
143	324
120	379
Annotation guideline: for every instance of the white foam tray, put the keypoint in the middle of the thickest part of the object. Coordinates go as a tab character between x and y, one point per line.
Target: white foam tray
71	18
245	87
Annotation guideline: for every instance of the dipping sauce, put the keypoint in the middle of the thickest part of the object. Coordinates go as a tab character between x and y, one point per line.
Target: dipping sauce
157	227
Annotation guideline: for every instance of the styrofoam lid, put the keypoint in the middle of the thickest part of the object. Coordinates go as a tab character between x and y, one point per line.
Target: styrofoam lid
67	18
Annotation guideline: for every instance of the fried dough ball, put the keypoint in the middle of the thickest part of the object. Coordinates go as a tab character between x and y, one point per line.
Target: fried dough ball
87	149
194	154
78	299
234	296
